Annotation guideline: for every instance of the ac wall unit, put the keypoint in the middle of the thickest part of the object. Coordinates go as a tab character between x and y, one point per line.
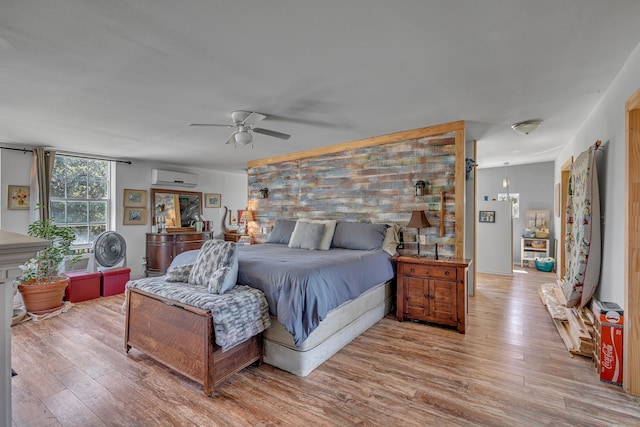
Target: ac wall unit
177	179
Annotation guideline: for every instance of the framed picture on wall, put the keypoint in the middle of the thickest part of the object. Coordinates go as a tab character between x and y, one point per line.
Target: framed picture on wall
135	216
18	197
212	200
135	198
487	216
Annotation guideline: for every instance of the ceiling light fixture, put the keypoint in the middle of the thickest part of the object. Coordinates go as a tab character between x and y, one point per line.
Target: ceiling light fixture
526	127
243	137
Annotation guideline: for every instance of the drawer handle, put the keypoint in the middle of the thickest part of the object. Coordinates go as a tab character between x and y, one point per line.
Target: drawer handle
446	273
412	269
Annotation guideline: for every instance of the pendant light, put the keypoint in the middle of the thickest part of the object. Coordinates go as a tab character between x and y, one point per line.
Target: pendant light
505	180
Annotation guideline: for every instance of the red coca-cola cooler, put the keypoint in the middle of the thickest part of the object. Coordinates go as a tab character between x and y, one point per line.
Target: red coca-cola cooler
610	318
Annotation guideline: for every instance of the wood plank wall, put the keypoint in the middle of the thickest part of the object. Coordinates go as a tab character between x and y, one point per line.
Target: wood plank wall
365	182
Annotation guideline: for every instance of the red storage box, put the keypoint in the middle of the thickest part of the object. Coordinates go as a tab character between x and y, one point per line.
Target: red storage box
82	286
113	281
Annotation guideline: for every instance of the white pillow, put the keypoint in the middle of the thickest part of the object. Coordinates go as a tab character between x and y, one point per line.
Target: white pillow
329	229
391	239
307	235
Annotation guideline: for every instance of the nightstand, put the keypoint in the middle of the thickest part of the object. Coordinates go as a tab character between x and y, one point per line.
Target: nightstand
432	290
232	237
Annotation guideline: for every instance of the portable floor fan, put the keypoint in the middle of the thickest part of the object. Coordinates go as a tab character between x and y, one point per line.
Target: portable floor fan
109	251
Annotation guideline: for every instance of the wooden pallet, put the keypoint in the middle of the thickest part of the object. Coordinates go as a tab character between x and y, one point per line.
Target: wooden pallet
575	326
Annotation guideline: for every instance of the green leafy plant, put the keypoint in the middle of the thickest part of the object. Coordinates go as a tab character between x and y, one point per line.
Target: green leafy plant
50	262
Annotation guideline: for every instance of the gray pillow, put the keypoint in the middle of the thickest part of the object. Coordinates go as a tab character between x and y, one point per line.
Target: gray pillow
179	273
307	235
281	232
187	257
359	236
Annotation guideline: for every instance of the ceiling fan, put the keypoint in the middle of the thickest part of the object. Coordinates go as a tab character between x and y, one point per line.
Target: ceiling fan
244	122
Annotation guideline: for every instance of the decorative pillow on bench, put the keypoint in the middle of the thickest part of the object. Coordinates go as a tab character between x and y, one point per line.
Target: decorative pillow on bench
216	266
179	273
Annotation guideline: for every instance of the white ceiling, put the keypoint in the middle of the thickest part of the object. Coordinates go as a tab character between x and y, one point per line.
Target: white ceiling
124	78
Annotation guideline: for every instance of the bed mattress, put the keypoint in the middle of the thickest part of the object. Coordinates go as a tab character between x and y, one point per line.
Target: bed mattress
340	327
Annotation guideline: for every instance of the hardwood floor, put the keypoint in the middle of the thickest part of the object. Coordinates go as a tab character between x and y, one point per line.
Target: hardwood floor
511	368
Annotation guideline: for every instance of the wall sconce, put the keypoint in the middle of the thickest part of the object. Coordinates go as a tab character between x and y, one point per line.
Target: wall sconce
263	193
420	188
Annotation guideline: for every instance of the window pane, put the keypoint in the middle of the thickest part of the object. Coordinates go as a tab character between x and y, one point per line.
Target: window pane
98	171
97	189
77	187
97	212
77	212
57	211
82	234
57	186
95	230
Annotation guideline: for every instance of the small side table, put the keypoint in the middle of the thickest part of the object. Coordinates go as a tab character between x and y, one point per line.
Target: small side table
232	236
433	290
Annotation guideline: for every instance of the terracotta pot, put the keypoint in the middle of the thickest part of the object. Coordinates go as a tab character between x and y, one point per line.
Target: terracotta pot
43	298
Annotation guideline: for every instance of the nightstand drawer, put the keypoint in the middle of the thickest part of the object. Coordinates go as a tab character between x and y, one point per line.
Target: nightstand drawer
438	272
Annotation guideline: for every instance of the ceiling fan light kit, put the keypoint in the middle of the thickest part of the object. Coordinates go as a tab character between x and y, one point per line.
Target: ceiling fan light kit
244	122
242	137
526	127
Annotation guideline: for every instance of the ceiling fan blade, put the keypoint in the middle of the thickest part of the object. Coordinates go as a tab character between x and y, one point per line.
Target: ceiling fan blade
272	133
209	124
231	139
254	118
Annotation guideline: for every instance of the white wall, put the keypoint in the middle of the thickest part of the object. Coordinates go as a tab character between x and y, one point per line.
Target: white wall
15	168
493	239
534	183
607	124
232	187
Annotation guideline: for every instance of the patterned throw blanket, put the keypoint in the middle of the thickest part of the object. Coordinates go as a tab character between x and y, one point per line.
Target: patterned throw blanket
238	314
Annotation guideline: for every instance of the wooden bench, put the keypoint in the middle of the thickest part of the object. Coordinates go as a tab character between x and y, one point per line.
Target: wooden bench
182	337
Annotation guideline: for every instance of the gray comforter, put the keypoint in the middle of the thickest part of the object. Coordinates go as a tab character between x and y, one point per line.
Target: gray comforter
302	286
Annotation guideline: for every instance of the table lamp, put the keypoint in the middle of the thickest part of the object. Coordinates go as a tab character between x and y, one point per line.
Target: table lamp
418	220
247	216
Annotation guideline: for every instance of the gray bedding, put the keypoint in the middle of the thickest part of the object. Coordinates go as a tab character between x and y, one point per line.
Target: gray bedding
302	286
238	314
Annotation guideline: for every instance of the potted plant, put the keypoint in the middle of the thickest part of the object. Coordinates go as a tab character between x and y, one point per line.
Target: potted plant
42	283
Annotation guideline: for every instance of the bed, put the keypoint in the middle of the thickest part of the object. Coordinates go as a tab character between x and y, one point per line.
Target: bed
320	300
321	290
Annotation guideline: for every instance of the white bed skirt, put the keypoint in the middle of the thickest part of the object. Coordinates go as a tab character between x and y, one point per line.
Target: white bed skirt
338	329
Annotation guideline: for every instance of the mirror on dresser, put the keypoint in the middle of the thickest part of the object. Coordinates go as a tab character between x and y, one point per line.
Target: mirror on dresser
179	209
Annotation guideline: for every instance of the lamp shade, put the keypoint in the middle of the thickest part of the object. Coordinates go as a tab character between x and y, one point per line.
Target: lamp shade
247	216
418	220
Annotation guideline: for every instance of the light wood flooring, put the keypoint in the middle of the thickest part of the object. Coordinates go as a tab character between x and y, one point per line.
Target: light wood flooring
510	369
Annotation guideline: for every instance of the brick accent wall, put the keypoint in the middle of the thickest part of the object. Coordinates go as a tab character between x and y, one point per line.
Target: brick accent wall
372	184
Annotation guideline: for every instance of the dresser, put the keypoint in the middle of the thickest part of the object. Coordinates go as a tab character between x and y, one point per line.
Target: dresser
162	248
432	290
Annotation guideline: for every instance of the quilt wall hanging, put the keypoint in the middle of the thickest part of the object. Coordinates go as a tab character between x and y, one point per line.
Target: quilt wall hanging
582	237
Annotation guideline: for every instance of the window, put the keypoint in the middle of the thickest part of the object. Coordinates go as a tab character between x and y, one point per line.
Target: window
80	196
515	202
